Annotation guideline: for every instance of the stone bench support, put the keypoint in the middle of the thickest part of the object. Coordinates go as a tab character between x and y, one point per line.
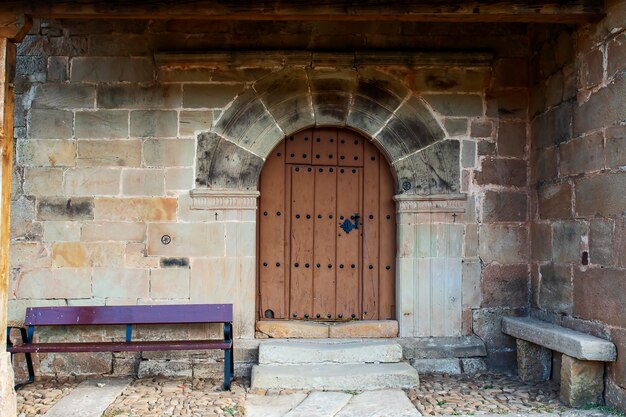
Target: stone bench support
582	367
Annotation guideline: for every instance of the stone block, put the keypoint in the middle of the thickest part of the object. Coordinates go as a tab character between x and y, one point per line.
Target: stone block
79	364
552	127
190	239
62	208
555	201
141	181
192	122
120	283
615	146
29	255
616	55
471	241
449	366
582	155
603	108
61	231
555	290
154	123
505	286
619	241
209	96
554	89
466	105
55	283
108	153
541	241
506	172
58	68
601	195
442	347
113	231
135	209
582	382
364	328
50	124
615	396
567	238
468	154
43	181
111	69
472	296
504	206
455	127
292	329
101	124
81	254
22	215
285	352
92	181
138	97
534	362
592	69
64	96
617	370
504	243
46	153
135	257
487	325
169	283
451	80
512	104
473	365
570	342
511	72
543	165
169	153
167	369
481	129
598	295
179	179
512	139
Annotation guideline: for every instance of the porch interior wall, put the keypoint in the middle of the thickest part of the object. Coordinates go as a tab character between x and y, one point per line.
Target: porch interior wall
105	159
578	230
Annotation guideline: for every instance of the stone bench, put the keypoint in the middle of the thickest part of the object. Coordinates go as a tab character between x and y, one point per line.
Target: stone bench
582	362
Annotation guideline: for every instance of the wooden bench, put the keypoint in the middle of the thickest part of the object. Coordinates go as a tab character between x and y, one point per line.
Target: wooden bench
128	316
582	362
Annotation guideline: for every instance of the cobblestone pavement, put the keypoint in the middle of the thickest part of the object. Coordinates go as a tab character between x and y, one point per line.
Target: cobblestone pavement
437	395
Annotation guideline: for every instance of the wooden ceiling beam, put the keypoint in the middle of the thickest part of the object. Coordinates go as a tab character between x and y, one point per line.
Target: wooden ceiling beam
528	11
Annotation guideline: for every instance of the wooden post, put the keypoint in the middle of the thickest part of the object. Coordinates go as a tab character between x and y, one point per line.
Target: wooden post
7	75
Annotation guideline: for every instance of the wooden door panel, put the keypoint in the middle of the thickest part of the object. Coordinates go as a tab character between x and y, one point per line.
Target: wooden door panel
301	216
371	219
324	147
348	244
299	147
325	242
272	274
350	149
387	244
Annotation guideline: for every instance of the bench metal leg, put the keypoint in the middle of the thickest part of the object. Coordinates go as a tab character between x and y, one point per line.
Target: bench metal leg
31	371
228	368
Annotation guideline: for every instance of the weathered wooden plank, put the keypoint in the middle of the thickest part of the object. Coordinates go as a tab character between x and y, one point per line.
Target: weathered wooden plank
7	72
371	221
387	258
575	11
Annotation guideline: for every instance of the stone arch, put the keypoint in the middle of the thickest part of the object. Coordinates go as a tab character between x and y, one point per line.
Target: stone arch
402	125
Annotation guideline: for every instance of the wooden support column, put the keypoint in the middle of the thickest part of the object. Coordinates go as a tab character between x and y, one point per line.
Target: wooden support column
7	74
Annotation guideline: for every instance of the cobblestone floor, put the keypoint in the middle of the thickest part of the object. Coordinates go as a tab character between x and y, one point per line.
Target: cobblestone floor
437	395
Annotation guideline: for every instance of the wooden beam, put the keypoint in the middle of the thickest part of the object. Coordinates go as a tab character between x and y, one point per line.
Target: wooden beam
555	11
7	74
14	26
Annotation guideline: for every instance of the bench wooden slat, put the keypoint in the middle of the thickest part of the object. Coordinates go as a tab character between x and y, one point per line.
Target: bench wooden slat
120	346
102	315
571	342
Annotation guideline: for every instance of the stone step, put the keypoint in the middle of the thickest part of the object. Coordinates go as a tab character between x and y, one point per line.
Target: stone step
328	351
340	377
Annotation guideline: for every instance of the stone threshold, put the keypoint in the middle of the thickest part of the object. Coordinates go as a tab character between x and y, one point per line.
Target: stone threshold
300	329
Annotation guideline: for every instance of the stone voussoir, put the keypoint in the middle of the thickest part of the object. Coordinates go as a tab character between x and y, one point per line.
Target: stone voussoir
576	344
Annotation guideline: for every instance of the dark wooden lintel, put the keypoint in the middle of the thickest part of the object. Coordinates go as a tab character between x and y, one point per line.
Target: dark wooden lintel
529	11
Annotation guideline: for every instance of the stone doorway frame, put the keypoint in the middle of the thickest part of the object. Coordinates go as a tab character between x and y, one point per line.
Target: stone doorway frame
311	90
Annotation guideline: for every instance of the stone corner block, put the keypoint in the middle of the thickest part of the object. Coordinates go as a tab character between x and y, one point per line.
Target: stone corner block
582	382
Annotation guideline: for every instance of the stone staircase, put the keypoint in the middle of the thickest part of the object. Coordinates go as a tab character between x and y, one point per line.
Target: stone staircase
332	364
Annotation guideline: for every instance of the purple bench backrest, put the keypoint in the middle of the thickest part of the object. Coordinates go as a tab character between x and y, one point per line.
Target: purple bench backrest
161	314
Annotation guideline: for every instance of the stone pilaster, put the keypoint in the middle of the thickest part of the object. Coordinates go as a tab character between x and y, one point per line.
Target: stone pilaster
429	253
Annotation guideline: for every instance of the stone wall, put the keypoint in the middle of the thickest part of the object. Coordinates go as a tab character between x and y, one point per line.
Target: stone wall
110	141
578	117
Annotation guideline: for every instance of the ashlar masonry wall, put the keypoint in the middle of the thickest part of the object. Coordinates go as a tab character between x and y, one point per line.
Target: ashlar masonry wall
578	118
109	146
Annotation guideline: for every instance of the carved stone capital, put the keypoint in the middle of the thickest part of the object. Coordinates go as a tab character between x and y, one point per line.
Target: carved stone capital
436	203
205	199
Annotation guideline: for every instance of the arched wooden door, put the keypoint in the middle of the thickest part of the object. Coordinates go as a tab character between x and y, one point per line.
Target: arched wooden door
326	229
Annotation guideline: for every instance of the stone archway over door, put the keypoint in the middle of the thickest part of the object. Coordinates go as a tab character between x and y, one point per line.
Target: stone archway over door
326	229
